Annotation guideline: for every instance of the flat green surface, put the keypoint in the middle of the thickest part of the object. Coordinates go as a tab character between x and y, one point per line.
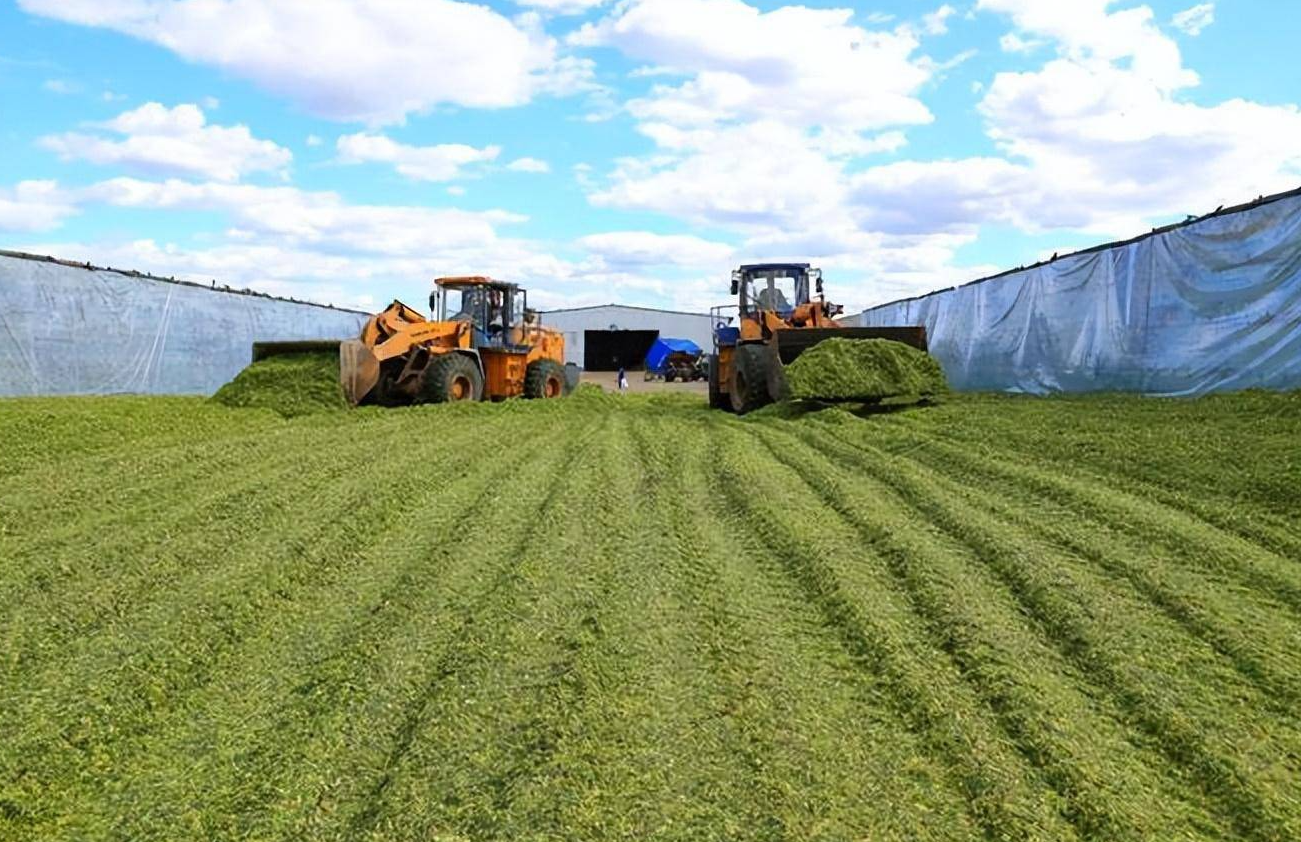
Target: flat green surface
864	369
629	617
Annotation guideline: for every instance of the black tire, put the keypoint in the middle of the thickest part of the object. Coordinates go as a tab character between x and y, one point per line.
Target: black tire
544	379
716	398
748	389
669	374
451	377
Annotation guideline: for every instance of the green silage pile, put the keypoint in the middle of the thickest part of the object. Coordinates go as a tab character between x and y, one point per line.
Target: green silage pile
290	384
864	369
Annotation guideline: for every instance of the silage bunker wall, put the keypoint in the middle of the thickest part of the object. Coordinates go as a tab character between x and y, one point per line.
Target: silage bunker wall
1211	305
69	330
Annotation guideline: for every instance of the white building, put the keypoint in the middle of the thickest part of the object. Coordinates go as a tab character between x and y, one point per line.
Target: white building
607	336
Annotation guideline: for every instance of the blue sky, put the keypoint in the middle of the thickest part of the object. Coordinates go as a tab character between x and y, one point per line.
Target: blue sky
349	151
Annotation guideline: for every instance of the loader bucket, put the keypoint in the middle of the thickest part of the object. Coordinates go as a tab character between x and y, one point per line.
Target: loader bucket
786	345
358	370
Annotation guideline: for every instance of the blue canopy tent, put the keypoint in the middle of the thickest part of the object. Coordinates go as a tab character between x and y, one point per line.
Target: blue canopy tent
662	356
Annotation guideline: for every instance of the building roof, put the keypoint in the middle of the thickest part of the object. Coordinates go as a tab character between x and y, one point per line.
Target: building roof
1155	232
626	307
212	287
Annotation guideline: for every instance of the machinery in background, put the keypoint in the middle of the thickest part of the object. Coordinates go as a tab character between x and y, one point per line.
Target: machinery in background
675	359
777	318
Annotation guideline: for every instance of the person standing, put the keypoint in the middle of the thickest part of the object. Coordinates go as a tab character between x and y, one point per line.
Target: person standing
623	379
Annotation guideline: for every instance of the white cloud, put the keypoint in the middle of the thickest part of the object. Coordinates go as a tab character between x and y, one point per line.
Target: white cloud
937	22
561	7
1095	141
211	103
314	140
765	173
34	206
643	248
156	139
443	162
534	165
1193	21
1085	31
796	64
374	61
319	219
456	190
1013	43
60	86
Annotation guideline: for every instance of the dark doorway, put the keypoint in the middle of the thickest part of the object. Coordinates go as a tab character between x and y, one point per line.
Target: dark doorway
606	350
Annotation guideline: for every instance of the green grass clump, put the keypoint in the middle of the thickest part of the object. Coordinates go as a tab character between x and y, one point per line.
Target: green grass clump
630	617
290	384
864	369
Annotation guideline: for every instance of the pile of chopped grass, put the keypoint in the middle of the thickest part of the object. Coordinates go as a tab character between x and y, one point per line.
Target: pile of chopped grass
864	369
290	384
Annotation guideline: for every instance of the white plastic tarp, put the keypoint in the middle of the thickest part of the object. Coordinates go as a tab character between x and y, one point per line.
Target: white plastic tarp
66	330
1214	305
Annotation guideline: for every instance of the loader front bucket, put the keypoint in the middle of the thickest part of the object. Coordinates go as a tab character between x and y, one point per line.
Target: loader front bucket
787	345
796	341
358	370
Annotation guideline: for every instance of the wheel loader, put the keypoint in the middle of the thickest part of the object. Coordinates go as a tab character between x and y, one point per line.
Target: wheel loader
481	342
780	312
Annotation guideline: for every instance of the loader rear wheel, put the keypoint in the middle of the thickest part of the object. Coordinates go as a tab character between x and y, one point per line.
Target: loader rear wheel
451	377
749	386
544	379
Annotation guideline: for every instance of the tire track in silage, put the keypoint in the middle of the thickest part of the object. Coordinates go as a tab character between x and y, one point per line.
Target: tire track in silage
206	640
491	612
1237	798
1208	547
1004	792
1113	790
1252	633
823	754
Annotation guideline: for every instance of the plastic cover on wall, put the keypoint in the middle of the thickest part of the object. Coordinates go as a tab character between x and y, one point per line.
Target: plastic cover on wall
1214	305
67	330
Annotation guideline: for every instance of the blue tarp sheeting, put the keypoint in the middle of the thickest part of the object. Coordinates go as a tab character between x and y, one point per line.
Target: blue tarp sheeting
1212	305
68	330
663	347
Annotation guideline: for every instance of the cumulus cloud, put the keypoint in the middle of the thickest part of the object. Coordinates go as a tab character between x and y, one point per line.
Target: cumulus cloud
155	139
443	162
322	219
534	165
1096	140
1193	21
371	61
1086	31
797	64
34	206
937	22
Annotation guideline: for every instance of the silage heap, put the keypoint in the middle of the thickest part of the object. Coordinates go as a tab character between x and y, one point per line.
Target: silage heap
864	370
290	384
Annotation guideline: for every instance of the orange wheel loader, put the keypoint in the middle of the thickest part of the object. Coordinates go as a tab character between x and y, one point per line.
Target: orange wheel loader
776	319
482	342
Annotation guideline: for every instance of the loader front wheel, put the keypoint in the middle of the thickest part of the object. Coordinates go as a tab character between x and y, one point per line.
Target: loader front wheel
451	377
544	379
748	389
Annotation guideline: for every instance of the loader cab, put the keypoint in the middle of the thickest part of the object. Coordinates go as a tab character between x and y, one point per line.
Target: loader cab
492	307
774	287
